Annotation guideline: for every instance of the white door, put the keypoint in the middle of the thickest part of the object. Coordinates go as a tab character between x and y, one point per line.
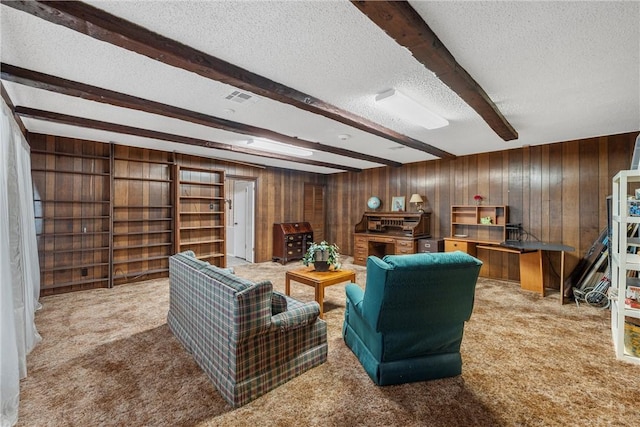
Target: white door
243	219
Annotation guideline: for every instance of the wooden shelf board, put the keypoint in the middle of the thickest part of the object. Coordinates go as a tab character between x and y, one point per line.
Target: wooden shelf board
478	224
142	233
208	184
105	202
215	255
204	227
65	154
148	245
201	198
201	242
66	251
132	260
143	207
120	178
201	213
471	240
73	267
155	162
122	221
88	233
76	283
105	174
199	169
78	218
139	273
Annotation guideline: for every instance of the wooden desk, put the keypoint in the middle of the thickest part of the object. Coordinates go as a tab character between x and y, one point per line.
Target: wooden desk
531	275
389	233
319	280
530	256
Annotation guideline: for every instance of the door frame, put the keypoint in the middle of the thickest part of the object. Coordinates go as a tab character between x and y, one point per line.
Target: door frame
251	224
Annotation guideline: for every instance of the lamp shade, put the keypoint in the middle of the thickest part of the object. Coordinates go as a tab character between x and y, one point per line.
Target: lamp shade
415	198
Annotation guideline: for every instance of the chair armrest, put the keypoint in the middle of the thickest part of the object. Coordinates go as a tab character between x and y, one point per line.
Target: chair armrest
297	317
278	303
355	295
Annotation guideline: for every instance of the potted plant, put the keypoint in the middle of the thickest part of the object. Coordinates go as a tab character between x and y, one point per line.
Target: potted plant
322	255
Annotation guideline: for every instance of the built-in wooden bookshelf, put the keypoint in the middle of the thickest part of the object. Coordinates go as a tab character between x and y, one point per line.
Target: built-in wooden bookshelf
143	213
108	214
71	183
200	214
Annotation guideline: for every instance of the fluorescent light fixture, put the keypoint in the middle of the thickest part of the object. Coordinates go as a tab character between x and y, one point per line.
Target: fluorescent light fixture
401	105
278	147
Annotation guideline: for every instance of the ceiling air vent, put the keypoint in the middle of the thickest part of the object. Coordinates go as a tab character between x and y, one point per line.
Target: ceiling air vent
240	97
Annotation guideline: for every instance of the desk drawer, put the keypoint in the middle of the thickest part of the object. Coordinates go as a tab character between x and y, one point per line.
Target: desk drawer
360	257
294	252
405	247
382	239
360	243
460	245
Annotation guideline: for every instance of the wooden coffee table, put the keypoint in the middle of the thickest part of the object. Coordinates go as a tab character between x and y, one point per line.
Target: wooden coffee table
319	280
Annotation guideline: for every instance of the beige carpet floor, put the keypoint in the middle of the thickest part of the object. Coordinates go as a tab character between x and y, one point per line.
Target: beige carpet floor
108	358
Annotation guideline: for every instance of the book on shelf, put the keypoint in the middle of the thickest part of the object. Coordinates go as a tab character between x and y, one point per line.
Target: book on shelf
632	297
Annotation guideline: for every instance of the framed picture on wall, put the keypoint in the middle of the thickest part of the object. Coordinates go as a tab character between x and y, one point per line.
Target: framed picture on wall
397	204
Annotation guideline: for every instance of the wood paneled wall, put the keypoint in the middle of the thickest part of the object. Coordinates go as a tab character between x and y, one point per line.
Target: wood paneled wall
279	192
557	191
279	196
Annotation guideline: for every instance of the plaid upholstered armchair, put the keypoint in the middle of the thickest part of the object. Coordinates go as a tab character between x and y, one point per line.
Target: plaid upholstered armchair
407	324
247	338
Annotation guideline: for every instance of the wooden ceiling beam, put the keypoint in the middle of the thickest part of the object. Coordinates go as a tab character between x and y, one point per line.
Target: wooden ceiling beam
103	26
71	88
402	23
145	133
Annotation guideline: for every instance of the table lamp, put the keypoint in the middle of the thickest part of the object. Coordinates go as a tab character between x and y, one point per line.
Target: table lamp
415	198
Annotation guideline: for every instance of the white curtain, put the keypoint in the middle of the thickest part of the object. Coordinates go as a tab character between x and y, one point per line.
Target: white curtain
19	269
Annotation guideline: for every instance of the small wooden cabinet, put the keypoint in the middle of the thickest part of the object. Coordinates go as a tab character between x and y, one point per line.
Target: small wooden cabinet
290	240
430	245
389	233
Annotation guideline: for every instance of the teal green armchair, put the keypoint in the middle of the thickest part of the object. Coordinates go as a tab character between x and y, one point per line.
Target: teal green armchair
407	324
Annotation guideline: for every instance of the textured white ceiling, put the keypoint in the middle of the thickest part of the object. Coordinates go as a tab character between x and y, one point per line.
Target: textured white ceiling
558	71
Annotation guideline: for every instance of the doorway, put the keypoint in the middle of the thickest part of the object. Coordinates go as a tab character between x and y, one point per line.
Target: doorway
240	225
